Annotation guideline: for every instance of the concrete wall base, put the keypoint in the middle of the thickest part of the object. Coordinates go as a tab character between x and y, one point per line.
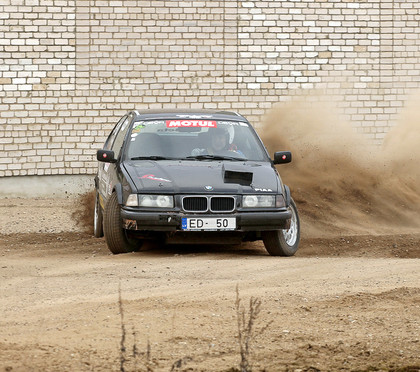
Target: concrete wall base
41	186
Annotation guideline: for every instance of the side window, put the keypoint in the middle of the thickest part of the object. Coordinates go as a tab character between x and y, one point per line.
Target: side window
111	138
119	138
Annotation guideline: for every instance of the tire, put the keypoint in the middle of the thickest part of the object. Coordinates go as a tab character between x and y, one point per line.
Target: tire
98	227
115	236
284	242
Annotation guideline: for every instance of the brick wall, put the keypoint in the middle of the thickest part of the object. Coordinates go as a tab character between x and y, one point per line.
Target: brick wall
70	68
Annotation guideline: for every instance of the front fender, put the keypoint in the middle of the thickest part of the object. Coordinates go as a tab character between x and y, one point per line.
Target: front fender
118	189
287	195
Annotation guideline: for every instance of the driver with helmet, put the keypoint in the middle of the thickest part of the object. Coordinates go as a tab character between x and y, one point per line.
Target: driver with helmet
217	144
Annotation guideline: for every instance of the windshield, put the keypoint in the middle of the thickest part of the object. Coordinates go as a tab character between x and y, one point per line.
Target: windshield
194	140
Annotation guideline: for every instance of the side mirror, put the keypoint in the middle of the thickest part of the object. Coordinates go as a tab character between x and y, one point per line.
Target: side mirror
282	157
106	156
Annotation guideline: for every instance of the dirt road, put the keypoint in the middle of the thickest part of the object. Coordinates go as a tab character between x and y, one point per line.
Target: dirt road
343	303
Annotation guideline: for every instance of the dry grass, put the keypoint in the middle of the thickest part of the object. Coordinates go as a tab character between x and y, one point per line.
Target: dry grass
247	333
247	330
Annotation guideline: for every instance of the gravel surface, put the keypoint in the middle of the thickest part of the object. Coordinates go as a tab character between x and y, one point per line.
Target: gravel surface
342	303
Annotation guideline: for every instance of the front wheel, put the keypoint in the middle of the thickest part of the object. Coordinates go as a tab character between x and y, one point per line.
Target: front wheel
115	236
284	242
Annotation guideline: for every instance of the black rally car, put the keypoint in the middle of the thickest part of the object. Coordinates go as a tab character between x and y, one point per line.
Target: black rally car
191	177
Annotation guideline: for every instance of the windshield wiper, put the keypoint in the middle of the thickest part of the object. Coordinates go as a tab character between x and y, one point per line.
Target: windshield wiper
214	157
152	157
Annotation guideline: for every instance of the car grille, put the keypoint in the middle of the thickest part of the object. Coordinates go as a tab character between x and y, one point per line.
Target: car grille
194	204
205	203
221	204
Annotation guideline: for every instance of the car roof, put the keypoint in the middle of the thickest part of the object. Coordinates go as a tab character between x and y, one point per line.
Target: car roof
188	114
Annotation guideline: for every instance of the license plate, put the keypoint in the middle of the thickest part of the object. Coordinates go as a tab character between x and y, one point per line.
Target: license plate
218	223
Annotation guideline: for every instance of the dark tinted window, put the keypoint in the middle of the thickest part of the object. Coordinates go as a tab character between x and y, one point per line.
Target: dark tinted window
111	138
119	138
182	138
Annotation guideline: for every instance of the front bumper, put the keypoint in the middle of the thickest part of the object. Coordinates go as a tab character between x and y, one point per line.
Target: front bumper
171	221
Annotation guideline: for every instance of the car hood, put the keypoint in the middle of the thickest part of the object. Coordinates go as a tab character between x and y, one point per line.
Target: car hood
183	177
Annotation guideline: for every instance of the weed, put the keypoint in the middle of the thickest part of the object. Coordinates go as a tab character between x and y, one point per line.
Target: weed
123	332
180	363
247	331
149	357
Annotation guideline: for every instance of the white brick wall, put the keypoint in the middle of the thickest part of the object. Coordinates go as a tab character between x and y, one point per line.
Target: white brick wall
70	68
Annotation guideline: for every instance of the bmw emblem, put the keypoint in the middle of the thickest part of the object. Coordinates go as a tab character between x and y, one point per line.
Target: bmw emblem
208	188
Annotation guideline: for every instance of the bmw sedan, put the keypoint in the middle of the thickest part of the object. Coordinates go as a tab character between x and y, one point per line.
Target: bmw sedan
191	177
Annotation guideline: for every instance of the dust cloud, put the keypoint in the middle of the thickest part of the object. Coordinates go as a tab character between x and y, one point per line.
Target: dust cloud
402	144
84	211
340	182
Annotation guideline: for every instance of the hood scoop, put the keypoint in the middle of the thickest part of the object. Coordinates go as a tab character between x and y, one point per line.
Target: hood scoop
232	175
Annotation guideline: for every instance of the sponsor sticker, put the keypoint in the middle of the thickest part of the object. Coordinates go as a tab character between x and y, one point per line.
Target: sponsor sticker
150	122
138	128
195	116
191	123
233	123
154	178
261	189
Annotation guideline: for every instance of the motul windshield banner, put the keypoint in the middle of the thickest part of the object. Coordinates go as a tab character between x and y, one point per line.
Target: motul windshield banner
191	123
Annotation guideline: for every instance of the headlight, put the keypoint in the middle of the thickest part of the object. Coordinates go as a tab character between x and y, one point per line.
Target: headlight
152	201
259	201
156	201
164	201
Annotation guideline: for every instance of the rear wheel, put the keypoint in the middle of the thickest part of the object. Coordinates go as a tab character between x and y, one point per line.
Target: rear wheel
284	242
98	230
115	236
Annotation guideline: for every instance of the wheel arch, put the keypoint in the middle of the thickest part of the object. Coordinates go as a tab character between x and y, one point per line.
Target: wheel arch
119	191
287	195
